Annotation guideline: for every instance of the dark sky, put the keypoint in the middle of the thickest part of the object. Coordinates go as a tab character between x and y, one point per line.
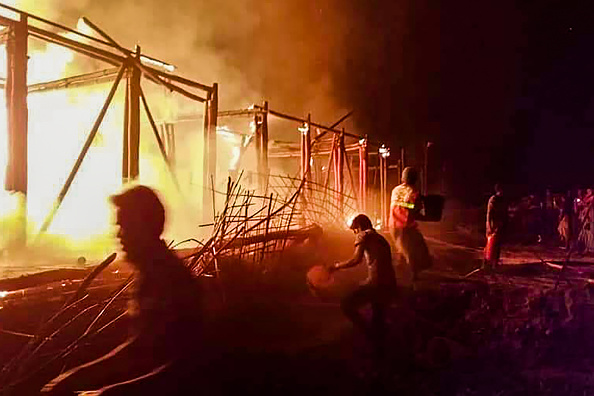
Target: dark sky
503	88
517	88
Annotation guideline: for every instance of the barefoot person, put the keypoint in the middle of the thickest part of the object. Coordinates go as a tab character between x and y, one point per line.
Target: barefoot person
379	287
164	310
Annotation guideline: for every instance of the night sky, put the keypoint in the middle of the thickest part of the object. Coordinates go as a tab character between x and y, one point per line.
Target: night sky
503	88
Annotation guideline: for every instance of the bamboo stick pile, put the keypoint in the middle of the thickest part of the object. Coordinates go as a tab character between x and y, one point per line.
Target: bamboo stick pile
256	228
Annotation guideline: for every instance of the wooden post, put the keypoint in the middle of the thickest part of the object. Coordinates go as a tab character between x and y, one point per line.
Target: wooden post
307	145
305	161
126	134
339	172
426	168
170	133
258	141
134	121
384	153
264	148
363	172
17	124
209	148
402	163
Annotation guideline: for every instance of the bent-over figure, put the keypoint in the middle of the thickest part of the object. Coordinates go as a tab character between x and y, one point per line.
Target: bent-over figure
378	289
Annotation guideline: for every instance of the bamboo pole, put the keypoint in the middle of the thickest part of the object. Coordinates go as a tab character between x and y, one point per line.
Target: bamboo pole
145	70
48	220
351	179
80	80
363	173
339	171
149	115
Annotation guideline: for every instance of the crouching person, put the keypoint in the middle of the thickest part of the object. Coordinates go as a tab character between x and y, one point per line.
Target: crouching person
378	289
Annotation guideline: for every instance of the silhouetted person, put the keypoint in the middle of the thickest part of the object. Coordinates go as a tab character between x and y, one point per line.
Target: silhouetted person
497	218
405	210
379	287
164	310
567	220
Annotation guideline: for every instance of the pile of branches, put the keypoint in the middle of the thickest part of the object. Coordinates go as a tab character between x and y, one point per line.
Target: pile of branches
258	228
250	227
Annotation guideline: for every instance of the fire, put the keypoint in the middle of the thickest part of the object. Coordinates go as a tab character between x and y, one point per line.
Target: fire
59	122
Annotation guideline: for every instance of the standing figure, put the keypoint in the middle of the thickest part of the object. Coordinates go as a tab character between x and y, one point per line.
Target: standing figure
497	218
588	221
405	209
165	312
380	286
567	221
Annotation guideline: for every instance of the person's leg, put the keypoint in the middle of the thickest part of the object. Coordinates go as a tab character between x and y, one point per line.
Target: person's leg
416	252
379	327
352	304
496	250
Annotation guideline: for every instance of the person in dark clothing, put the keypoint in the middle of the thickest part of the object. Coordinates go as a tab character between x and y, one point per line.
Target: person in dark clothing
567	220
164	309
379	287
497	218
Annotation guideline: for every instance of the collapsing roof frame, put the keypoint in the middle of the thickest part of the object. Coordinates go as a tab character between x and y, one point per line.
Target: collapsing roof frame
131	65
337	155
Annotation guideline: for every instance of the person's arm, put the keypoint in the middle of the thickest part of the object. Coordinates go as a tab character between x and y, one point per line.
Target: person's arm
356	259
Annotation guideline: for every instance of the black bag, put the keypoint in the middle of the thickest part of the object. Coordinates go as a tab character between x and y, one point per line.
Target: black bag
433	205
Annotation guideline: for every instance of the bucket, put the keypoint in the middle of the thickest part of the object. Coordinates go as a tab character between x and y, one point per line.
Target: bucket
433	205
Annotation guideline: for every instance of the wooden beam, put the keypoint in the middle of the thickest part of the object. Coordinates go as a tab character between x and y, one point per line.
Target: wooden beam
80	80
100	53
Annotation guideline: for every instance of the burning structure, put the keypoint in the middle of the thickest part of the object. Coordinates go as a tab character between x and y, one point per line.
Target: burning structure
60	82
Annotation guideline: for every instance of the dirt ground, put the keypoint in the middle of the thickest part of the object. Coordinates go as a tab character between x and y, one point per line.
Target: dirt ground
525	329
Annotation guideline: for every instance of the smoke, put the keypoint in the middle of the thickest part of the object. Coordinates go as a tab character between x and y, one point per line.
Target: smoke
283	52
324	57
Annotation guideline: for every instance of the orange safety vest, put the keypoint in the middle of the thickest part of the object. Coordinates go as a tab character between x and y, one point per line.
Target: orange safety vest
404	202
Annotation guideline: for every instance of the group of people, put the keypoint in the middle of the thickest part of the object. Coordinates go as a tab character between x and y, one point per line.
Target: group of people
564	220
165	306
576	220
